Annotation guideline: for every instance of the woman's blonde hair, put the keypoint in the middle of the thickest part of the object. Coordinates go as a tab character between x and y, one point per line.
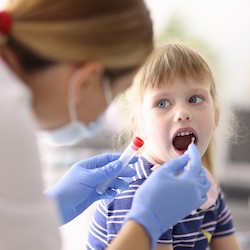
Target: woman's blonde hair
165	64
118	33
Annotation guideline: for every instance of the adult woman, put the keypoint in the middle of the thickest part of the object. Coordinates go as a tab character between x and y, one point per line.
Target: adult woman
58	59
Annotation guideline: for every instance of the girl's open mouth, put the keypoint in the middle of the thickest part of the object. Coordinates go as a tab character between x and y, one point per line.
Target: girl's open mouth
182	140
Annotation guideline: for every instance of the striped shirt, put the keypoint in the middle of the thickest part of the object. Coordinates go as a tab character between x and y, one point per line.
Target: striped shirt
193	232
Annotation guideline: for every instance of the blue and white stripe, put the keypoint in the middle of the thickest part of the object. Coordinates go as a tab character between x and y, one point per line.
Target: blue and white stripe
190	233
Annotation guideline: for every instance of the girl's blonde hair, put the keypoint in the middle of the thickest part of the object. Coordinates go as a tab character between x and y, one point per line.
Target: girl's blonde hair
165	64
118	33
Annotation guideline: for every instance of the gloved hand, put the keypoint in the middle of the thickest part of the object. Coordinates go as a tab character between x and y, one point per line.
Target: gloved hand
76	190
165	198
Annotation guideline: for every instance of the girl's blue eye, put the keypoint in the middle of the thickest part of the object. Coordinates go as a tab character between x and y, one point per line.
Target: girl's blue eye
163	104
195	99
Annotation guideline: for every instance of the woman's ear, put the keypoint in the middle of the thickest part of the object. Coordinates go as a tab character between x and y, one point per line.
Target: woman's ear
89	76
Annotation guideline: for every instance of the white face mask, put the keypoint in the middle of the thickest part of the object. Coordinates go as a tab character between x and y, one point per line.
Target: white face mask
76	130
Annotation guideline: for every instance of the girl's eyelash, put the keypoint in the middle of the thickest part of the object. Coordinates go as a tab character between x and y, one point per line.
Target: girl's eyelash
197	97
165	101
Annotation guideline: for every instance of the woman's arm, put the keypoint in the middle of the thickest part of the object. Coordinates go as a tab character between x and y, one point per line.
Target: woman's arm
132	236
164	247
226	242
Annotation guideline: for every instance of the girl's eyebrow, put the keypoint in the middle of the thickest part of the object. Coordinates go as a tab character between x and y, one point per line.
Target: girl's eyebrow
160	94
200	89
167	92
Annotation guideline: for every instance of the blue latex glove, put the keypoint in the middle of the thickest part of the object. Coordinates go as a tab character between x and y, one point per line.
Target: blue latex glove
165	198
76	190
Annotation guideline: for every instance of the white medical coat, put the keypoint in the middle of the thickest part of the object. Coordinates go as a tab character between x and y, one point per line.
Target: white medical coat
28	220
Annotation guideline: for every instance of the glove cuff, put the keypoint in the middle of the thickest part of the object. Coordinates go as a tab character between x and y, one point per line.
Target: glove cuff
148	220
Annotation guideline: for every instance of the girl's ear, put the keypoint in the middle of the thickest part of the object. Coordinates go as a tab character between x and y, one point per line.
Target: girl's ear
216	117
134	125
138	129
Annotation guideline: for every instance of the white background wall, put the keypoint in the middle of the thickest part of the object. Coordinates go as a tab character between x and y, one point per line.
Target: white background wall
225	26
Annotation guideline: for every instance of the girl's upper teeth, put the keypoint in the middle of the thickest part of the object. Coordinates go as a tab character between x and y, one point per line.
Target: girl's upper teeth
184	133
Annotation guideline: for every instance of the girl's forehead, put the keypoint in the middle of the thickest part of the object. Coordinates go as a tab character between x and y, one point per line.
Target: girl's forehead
189	81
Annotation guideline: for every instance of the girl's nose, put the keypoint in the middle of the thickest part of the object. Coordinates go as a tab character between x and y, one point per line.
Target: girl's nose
182	116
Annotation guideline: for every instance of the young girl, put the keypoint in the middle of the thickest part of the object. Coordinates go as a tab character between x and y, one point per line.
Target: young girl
174	103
